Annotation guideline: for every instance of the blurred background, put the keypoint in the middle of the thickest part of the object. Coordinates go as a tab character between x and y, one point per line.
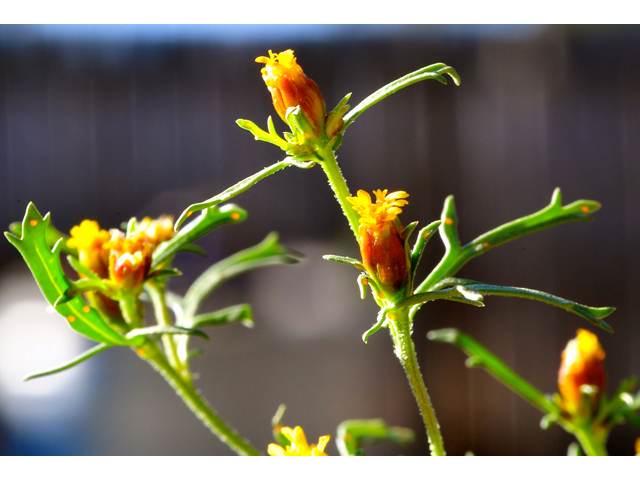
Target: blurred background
109	122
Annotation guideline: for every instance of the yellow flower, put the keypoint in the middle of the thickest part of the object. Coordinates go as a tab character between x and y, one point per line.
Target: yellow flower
290	87
581	365
381	239
299	446
637	446
156	231
89	240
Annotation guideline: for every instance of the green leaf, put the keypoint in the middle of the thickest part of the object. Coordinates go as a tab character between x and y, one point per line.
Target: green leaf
193	249
47	270
345	260
79	287
445	294
432	72
594	315
496	367
266	253
52	235
380	322
276	425
362	284
259	134
424	235
238	188
209	219
352	435
79	359
165	330
456	256
236	313
78	267
164	272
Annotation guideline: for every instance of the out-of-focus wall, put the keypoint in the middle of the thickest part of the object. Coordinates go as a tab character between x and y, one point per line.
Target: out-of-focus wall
107	129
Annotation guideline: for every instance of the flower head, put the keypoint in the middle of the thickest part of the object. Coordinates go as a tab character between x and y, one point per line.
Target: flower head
89	240
129	259
581	365
381	242
290	87
156	231
299	446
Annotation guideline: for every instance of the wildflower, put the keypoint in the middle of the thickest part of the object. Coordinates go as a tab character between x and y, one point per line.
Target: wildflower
290	87
381	241
299	446
581	366
129	259
156	231
89	240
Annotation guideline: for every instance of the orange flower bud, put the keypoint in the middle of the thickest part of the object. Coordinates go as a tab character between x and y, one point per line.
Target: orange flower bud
129	259
381	244
581	365
290	87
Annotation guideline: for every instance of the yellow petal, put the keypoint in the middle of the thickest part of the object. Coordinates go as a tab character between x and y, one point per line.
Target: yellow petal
276	450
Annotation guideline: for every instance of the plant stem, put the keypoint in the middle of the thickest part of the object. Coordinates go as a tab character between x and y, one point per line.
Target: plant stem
400	330
150	352
340	189
592	443
156	292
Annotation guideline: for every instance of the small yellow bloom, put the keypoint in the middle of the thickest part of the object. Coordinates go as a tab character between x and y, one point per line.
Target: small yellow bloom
637	447
381	241
290	87
581	365
299	446
89	240
156	231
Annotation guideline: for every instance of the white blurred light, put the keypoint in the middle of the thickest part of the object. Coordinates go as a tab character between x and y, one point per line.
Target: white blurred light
32	340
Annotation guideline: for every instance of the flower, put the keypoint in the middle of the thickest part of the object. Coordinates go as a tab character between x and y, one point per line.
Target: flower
381	241
129	259
581	365
89	240
156	231
299	446
290	87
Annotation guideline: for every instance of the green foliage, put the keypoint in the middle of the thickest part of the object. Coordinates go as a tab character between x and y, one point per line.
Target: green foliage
47	270
352	435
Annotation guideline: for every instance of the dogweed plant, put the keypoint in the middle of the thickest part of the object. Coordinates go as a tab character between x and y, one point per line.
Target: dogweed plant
120	272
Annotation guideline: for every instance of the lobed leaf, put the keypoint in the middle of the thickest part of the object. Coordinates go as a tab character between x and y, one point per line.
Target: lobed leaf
45	265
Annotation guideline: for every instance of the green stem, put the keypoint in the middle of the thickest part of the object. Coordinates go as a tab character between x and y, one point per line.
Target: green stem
131	308
400	329
156	292
340	189
592	443
150	352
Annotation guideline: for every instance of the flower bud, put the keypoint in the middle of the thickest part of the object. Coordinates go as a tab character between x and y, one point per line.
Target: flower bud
381	241
582	366
156	231
129	259
290	87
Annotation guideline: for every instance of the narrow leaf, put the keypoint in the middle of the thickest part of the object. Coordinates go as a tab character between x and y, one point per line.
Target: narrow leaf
352	435
164	272
236	313
194	249
345	260
79	359
424	235
432	72
496	367
78	267
165	330
209	219
238	188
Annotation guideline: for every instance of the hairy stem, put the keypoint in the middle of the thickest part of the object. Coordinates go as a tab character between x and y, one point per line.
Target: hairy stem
152	354
340	189
400	329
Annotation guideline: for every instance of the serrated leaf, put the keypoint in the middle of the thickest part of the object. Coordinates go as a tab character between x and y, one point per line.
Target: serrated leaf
165	330
238	188
47	270
209	219
79	359
52	235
